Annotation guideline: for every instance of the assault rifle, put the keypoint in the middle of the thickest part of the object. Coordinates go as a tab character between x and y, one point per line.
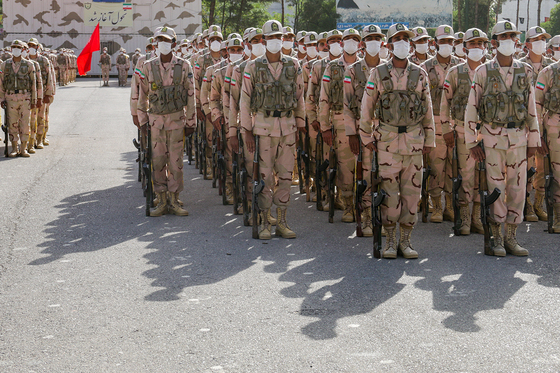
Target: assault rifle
530	173
299	161
243	181
235	162
222	162
377	197
486	200
332	179
188	147
426	171
307	163
320	169
548	181
197	146
5	129
457	180
147	167
360	187
216	150
137	145
258	186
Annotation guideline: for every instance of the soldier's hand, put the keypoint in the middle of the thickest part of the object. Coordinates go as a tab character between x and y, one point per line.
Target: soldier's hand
200	114
4	104
531	151
47	100
449	139
249	140
543	149
354	141
327	137
478	154
316	125
372	147
217	124
39	103
136	121
234	142
302	129
426	150
188	131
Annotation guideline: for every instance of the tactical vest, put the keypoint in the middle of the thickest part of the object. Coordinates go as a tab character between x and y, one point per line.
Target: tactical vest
270	94
436	91
206	63
504	106
61	60
135	59
544	63
400	107
361	80
461	93
336	92
317	92
21	81
552	95
44	72
167	99
121	60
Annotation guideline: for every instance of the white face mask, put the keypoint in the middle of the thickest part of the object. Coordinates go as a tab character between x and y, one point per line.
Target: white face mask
185	50
350	46
312	52
323	54
25	54
274	45
383	53
247	51
373	47
557	55
233	57
258	50
445	50
215	46
432	48
335	49
422	48
301	48
506	47
287	44
16	52
164	48
519	49
459	51
401	48
32	51
475	54
539	47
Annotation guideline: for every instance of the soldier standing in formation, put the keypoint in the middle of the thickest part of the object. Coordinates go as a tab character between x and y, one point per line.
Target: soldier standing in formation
105	61
123	65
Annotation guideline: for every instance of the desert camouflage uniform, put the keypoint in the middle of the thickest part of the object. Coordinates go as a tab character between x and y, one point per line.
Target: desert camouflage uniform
123	64
105	61
35	111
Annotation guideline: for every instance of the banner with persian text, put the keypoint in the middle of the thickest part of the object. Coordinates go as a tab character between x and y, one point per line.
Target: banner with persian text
108	14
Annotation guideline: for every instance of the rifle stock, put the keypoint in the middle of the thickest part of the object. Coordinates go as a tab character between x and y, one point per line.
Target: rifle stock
147	167
307	163
457	180
332	179
486	200
222	163
548	181
258	186
426	171
360	187
318	172
5	129
377	197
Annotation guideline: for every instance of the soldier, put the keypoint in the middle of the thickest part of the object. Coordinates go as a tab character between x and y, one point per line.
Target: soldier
355	79
105	61
420	41
510	136
52	58
301	52
547	97
169	120
123	65
18	94
536	44
331	104
35	110
457	87
136	78
135	57
437	68
554	45
276	121
400	137
310	40
288	43
322	47
458	45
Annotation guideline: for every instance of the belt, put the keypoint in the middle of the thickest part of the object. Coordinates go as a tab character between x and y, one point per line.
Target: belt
399	129
507	125
18	91
277	113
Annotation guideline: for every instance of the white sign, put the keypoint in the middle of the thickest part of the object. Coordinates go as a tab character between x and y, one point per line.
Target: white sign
108	14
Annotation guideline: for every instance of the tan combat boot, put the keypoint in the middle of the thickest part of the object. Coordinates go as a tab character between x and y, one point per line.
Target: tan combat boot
14	153
271	219
512	246
530	212
229	193
39	141
498	247
30	146
295	175
338	203
556	222
448	213
169	199
367	225
404	244
437	214
390	249
476	223
538	206
174	207
209	170
466	220
23	150
161	207
348	214
282	228
264	229
45	140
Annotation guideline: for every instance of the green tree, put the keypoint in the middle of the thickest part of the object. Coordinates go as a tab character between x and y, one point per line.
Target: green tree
315	15
474	13
234	15
552	26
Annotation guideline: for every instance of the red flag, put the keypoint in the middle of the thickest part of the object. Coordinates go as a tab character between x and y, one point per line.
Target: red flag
84	59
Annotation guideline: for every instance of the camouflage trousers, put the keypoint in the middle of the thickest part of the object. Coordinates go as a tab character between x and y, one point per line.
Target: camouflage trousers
276	157
507	171
442	172
554	154
19	114
345	159
366	175
167	160
537	181
41	119
33	119
123	72
401	178
105	72
46	118
467	169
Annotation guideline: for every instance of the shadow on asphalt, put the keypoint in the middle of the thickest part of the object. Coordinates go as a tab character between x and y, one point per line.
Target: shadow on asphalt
331	271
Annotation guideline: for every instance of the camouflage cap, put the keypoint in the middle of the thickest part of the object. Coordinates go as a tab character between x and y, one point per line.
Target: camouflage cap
445	32
33	41
185	42
371	30
473	34
323	36
535	32
300	35
223	45
399	28
137	50
254	33
272	27
166	32
204	34
555	41
331	34
350	32
459	35
246	32
17	43
233	35
420	33
503	27
287	30
149	41
311	38
215	34
234	42
214	28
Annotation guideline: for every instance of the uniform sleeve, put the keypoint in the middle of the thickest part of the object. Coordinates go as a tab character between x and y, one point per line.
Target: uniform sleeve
234	96
39	80
534	135
541	88
471	113
188	83
245	101
445	109
367	114
2	92
33	75
314	84
196	72
428	121
49	89
216	96
299	112
324	105
225	93
143	95
350	120
205	90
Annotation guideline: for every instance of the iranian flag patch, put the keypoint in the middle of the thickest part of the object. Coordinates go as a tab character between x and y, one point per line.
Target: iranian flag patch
197	66
233	82
446	84
227	79
247	76
347	79
370	85
540	86
326	78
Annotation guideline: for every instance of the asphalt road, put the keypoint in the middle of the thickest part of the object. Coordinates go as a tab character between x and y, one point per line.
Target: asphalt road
89	284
